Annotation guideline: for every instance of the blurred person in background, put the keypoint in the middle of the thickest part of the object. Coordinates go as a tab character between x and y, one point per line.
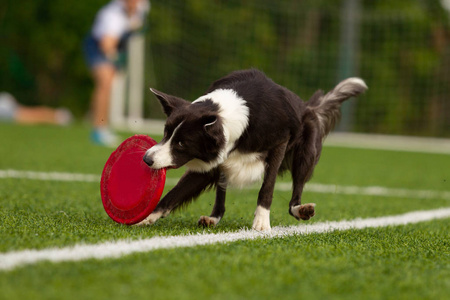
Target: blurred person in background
105	53
12	111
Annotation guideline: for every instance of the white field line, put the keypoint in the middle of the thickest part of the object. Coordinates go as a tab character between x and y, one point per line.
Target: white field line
282	186
49	176
116	249
389	142
368	191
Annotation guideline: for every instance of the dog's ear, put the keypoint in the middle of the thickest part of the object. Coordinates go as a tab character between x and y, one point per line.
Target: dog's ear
169	103
213	128
209	121
211	125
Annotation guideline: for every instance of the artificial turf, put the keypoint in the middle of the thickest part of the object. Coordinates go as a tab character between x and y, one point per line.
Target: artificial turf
404	262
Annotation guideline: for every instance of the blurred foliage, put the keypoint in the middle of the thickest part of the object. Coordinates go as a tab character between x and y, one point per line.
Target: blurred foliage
41	59
403	53
408	55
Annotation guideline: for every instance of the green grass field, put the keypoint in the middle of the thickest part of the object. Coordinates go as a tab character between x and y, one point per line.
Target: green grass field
402	262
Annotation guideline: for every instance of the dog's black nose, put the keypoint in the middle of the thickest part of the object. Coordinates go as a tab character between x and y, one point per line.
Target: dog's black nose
148	160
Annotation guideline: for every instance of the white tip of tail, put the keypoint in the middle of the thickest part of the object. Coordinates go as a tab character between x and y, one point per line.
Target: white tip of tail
349	84
358	81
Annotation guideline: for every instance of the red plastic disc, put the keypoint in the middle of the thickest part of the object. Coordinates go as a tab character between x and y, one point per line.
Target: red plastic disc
130	189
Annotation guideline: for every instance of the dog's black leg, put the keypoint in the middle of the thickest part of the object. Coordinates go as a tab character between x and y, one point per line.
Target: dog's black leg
273	162
218	209
305	158
190	186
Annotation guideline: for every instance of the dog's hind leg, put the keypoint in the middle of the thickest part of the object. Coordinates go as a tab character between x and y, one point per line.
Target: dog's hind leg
305	157
218	209
190	186
261	222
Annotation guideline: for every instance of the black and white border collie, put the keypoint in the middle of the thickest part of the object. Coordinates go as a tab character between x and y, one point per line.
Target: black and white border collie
246	127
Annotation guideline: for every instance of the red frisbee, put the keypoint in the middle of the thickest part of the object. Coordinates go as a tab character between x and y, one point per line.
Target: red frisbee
130	189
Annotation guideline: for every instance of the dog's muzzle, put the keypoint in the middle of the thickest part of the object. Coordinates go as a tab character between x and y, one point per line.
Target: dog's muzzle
159	157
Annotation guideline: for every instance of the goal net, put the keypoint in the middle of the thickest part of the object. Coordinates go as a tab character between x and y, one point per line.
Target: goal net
400	48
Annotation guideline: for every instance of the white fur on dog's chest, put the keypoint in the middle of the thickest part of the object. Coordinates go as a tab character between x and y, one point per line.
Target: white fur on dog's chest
242	169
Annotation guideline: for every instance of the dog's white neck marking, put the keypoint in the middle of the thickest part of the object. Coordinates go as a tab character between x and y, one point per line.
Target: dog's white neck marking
233	111
240	169
234	114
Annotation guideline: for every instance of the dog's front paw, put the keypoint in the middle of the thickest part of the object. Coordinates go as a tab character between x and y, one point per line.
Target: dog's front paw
304	212
208	221
261	222
151	219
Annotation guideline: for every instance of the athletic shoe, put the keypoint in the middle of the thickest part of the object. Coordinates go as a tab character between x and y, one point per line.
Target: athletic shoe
104	137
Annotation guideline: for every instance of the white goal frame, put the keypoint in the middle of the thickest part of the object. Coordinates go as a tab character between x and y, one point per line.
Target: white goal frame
126	111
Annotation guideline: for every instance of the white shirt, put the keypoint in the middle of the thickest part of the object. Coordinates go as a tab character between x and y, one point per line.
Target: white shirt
112	19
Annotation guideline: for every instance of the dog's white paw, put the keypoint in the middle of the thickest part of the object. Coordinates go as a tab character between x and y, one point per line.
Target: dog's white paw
261	222
151	219
304	212
208	221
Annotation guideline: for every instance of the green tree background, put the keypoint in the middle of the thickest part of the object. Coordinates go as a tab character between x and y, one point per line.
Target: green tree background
403	52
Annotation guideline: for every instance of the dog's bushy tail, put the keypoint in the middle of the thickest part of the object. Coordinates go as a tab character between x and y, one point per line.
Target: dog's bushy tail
327	107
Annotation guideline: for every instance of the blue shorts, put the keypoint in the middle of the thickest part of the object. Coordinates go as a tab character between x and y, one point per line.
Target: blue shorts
94	56
92	53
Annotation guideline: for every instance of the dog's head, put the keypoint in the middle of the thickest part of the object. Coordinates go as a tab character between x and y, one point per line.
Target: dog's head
193	135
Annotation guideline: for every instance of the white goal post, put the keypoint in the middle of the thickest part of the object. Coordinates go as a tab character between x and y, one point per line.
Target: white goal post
127	95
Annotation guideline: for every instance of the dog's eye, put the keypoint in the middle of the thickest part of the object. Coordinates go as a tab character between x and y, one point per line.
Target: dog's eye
181	144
